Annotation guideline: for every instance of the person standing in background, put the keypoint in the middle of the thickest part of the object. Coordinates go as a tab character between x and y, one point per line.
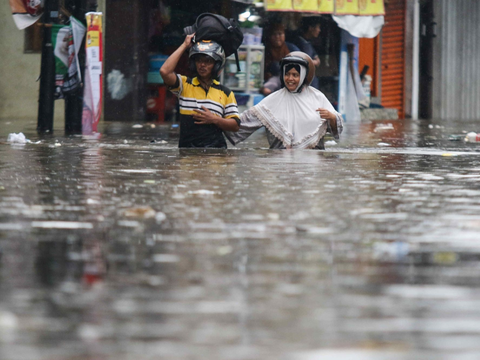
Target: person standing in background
309	30
276	48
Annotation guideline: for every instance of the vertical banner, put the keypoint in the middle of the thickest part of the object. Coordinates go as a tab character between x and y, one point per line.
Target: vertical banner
92	95
66	42
326	6
279	5
346	7
61	37
26	12
371	7
305	5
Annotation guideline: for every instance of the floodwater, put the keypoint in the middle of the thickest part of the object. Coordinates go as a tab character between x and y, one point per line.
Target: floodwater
125	247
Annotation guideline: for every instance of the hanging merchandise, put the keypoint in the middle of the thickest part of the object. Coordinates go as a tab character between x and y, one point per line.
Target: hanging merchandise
279	5
305	5
92	93
346	7
360	26
26	12
326	6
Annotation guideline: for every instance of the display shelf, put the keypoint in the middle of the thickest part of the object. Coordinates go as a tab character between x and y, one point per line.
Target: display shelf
250	77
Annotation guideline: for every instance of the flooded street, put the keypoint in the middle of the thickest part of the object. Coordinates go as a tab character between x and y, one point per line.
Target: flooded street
125	247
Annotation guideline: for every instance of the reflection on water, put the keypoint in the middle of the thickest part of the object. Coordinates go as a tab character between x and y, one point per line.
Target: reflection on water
126	247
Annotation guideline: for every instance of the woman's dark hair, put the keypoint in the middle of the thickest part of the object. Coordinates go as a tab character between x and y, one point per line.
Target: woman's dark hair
289	67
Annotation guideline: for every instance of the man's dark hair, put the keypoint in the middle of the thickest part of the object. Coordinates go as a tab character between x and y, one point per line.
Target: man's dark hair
309	21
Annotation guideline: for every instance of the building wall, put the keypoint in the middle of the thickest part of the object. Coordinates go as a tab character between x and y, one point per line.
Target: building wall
456	69
19	72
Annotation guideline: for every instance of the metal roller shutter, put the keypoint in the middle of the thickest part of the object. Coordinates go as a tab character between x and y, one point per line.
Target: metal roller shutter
393	56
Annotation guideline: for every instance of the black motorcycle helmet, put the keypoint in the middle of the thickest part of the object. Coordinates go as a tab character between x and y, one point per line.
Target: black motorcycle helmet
209	48
299	58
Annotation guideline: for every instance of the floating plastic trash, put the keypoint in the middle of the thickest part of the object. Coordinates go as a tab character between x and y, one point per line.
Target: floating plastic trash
17	138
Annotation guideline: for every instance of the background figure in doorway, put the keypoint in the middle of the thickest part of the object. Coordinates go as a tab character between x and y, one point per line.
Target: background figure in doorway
309	30
276	48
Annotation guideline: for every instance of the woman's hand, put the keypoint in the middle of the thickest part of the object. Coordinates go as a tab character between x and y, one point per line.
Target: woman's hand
205	117
327	115
330	117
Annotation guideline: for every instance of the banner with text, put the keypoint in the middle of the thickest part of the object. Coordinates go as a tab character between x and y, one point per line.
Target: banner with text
305	5
92	95
326	6
279	5
346	7
371	7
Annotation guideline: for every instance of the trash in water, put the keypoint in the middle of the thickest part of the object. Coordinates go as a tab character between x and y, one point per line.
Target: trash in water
174	125
160	216
383	144
158	142
17	138
137	126
145	212
456	137
330	143
383	127
472	137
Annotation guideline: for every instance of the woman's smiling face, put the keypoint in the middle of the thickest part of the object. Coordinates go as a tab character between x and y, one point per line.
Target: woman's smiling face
292	79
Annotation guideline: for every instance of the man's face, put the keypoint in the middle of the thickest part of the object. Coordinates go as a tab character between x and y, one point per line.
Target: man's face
314	30
204	65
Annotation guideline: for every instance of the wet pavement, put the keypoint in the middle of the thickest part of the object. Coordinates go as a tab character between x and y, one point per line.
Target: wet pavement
125	247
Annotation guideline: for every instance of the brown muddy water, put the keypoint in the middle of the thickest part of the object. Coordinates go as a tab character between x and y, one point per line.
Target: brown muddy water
125	247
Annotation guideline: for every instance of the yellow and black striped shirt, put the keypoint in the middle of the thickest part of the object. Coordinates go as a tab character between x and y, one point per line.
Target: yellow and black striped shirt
218	99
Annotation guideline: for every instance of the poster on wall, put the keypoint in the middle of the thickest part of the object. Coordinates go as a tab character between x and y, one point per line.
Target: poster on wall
371	7
279	5
92	95
26	12
326	6
305	5
346	7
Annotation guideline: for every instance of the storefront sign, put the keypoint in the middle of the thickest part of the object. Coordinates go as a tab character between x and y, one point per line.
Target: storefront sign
337	7
305	5
346	7
279	5
371	7
326	6
92	95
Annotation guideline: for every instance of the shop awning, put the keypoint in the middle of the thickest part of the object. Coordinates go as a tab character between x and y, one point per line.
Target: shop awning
335	7
361	18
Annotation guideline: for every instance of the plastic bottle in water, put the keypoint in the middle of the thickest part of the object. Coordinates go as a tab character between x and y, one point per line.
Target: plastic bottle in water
472	137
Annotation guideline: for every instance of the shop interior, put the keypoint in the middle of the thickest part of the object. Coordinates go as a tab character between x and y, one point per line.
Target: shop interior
168	18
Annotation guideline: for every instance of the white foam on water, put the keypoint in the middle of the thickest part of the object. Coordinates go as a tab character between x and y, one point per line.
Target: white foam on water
61	225
138	171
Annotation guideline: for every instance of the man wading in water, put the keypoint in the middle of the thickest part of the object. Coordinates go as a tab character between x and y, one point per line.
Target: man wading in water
207	109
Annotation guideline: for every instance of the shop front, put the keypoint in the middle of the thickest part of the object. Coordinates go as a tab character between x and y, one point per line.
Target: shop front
134	90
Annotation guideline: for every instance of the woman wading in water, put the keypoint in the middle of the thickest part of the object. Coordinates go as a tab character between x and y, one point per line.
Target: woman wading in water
297	116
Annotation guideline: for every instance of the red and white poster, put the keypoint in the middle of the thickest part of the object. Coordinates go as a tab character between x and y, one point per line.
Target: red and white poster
26	12
92	93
